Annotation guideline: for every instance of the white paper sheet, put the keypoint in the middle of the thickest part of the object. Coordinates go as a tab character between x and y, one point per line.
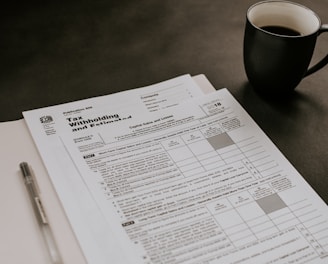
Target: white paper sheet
21	240
197	183
86	219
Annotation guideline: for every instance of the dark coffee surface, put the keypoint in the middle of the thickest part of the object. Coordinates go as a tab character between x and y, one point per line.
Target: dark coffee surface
281	30
54	52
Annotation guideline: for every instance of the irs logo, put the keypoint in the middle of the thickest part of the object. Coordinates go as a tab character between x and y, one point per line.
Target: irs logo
46	119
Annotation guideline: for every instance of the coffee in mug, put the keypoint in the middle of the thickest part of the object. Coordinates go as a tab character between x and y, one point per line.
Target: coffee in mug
281	30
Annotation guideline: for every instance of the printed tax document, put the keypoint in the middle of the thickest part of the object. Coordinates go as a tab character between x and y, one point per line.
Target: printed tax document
197	183
84	216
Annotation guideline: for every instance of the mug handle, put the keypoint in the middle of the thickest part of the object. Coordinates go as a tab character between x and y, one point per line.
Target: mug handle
324	61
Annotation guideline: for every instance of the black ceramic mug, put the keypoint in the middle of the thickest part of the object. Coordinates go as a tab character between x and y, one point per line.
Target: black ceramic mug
279	41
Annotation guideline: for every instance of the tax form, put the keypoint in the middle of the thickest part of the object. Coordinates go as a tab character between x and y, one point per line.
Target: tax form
197	183
86	219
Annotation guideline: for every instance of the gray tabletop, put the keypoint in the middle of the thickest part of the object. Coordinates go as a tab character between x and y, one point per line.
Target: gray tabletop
54	52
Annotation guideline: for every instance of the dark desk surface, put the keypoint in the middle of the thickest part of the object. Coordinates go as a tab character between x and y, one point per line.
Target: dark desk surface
59	51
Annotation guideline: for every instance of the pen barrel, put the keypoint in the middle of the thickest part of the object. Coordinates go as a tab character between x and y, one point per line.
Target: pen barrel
35	200
43	223
40	215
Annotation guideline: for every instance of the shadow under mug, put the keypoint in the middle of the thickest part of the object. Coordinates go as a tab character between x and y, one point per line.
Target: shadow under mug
279	41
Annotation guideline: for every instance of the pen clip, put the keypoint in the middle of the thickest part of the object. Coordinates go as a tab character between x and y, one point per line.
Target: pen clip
41	210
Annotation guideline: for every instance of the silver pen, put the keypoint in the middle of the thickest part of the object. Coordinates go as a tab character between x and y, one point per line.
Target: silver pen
40	214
